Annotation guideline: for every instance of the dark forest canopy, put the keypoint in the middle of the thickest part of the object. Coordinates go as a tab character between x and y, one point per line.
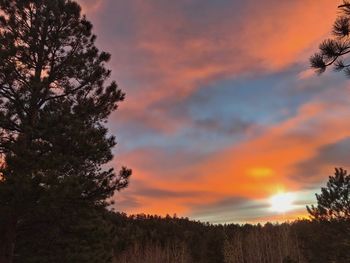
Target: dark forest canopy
323	238
172	240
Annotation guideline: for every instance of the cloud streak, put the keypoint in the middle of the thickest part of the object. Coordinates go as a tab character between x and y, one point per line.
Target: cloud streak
221	105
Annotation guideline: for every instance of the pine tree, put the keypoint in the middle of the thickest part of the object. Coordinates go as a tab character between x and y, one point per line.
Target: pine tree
54	101
333	204
334	51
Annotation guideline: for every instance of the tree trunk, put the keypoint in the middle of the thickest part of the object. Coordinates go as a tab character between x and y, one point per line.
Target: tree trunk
7	240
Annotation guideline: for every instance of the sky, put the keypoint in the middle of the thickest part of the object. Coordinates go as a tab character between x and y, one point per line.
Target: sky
222	110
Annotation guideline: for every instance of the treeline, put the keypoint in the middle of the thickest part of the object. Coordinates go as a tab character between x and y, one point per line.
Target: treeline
145	238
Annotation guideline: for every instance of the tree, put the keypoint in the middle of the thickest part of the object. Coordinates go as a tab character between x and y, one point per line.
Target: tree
323	241
334	51
54	101
288	260
333	204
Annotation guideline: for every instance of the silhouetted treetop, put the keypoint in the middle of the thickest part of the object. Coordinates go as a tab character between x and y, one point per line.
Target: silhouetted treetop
54	91
47	52
334	201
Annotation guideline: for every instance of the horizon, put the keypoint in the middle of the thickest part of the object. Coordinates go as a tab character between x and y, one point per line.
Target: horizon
222	110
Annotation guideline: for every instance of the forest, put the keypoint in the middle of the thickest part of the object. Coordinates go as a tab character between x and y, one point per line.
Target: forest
173	240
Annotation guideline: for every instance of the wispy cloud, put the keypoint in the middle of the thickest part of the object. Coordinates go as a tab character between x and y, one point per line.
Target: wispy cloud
220	101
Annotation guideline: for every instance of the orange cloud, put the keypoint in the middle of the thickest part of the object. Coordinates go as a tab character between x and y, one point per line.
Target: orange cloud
165	54
90	6
279	148
284	32
169	55
177	55
254	169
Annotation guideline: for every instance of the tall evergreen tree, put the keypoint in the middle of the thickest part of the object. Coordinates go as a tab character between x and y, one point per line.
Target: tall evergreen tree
54	101
329	230
334	201
334	51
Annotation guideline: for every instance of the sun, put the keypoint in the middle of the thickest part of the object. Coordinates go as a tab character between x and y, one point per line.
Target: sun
282	202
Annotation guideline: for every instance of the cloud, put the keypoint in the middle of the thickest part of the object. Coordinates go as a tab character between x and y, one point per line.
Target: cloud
161	193
165	51
305	74
324	161
278	149
200	146
241	211
126	202
235	209
90	6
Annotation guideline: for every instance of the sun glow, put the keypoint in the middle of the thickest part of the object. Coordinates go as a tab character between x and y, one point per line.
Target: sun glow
282	202
260	172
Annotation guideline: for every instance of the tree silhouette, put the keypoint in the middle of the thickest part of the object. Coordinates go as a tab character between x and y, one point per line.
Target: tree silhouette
54	101
334	51
333	204
326	237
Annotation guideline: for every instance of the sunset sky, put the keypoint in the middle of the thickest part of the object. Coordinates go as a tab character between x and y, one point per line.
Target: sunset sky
222	110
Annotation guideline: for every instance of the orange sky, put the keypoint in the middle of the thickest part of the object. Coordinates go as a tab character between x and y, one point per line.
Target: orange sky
222	110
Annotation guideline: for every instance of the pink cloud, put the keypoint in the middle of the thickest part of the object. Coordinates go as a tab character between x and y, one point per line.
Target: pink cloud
170	54
253	169
90	6
163	55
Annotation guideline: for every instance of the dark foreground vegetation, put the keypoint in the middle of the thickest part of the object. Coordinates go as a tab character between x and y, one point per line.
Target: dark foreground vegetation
65	235
324	238
154	239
